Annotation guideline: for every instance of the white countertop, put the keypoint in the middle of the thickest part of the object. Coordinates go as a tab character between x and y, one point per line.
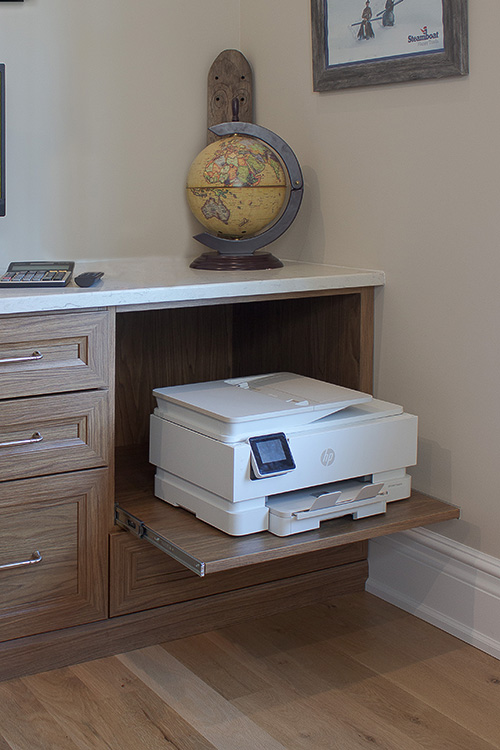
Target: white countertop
169	280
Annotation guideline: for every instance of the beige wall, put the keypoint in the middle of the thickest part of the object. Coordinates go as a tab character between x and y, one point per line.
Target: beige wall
107	106
405	178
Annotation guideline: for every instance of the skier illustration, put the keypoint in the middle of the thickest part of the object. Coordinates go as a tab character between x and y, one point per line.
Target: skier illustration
365	27
388	15
386	18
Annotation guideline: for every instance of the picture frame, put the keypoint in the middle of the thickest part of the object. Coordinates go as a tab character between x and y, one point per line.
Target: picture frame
426	39
2	139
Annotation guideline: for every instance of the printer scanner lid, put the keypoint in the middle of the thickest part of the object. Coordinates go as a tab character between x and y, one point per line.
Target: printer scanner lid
236	408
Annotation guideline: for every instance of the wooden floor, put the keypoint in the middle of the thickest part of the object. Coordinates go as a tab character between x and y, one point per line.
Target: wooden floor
356	674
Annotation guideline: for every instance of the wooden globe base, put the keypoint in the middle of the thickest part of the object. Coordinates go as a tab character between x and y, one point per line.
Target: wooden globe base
214	261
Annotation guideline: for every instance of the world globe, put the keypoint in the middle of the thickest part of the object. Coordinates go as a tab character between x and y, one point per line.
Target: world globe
237	186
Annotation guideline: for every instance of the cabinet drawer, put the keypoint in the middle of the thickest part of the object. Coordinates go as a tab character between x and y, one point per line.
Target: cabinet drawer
53	552
54	434
142	577
41	354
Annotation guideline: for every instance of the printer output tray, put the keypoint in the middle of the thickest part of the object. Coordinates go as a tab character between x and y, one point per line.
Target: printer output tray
204	549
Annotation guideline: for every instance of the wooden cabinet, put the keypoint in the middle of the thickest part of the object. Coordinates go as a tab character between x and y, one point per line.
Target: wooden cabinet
55	501
328	337
53	552
54	353
142	576
64	408
54	434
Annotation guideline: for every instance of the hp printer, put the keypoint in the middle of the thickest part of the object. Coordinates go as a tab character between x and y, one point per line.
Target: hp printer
278	452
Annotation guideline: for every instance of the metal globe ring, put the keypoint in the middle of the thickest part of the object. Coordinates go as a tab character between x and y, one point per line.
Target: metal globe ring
248	245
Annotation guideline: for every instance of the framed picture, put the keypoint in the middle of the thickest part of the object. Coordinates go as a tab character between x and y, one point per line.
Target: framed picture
367	42
2	139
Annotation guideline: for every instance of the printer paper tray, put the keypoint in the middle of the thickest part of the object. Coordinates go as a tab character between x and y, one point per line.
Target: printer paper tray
205	550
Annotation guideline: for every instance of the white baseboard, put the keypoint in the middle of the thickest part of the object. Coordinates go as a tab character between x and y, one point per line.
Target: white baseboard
441	581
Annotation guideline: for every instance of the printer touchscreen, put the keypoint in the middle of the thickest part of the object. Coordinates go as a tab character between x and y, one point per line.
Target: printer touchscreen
270	455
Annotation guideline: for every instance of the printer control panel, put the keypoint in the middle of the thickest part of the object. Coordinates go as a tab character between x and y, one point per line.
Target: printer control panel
270	455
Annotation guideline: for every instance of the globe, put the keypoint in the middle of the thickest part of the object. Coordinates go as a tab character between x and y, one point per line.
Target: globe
236	186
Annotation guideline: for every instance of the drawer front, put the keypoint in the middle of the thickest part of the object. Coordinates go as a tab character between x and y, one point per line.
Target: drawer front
142	577
54	434
53	353
53	552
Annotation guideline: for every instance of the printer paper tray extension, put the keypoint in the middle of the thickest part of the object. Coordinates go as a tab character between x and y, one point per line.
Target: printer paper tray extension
304	510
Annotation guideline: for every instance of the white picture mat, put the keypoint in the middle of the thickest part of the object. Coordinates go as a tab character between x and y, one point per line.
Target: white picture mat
418	29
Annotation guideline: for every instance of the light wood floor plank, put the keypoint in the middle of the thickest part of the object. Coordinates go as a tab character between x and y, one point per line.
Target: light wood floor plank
291	645
298	681
368	688
355	674
278	702
354	691
216	660
209	713
90	722
25	723
408	715
452	699
424	662
152	723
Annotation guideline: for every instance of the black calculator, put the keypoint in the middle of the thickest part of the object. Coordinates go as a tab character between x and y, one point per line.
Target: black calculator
37	273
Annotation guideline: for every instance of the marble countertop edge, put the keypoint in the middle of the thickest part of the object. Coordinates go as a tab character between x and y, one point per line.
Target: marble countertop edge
156	281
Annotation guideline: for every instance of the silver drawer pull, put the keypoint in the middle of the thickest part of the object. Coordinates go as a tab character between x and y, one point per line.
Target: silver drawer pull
35	558
33	357
35	438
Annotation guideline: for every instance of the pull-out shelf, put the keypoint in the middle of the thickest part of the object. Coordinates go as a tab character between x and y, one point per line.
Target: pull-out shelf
204	549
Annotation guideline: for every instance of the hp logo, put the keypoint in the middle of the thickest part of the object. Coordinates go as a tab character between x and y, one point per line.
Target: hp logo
327	457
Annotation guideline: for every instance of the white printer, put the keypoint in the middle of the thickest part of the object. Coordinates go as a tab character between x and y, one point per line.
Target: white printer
278	452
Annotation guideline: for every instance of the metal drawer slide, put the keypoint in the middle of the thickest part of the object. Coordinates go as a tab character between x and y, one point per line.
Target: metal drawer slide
131	523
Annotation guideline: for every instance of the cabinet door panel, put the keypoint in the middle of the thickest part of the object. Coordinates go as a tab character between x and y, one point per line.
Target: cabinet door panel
54	353
54	434
142	577
53	552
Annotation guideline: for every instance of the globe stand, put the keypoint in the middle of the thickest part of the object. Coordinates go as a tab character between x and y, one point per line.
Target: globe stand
215	261
241	254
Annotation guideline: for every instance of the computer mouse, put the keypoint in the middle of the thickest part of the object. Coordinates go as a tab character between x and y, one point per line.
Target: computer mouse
88	278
